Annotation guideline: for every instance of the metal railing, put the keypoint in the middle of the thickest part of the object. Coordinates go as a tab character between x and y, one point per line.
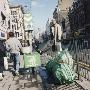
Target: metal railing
80	50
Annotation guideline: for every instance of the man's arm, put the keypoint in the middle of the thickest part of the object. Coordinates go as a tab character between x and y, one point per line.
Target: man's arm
20	46
59	32
7	46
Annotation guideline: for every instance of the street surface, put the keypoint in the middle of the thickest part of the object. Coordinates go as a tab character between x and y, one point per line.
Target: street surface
21	82
27	81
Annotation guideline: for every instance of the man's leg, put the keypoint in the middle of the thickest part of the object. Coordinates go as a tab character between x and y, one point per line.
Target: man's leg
17	62
33	70
12	57
1	68
1	73
59	47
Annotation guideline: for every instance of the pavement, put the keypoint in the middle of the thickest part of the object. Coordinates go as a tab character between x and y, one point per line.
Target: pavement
39	81
27	81
24	81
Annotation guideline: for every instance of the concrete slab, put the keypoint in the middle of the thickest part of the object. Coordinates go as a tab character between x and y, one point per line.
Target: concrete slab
84	83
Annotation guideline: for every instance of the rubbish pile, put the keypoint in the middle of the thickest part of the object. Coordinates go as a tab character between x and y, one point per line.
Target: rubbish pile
60	68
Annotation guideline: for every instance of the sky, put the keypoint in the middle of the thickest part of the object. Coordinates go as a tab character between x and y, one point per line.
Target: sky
41	10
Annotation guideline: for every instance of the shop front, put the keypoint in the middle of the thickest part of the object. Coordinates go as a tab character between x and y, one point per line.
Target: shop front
3	35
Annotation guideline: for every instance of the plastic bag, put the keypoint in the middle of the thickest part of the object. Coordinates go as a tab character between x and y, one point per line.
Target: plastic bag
64	57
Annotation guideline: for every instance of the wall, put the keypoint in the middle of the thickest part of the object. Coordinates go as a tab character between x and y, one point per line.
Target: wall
4	18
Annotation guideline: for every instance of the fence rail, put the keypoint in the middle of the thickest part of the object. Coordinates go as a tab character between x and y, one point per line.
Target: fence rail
80	50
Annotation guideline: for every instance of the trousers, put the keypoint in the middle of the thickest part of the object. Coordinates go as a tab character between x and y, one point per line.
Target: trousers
16	61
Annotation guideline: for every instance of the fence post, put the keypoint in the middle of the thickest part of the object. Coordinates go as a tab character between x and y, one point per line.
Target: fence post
77	60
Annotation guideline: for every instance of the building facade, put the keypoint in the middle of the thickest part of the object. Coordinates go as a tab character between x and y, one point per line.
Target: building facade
4	19
61	14
61	11
79	17
17	21
87	15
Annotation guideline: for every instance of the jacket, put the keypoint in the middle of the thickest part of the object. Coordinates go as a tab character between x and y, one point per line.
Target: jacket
13	45
57	32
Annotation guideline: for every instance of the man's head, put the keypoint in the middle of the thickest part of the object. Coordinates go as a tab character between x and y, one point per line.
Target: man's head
54	21
11	34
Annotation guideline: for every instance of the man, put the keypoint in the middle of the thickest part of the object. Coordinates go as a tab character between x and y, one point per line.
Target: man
13	45
57	32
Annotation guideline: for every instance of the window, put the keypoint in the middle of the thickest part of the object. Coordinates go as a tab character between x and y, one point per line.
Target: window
3	16
17	34
5	6
21	34
12	27
13	12
9	24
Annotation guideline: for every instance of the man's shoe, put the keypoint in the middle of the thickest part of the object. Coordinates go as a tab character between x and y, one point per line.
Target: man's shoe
17	73
1	78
